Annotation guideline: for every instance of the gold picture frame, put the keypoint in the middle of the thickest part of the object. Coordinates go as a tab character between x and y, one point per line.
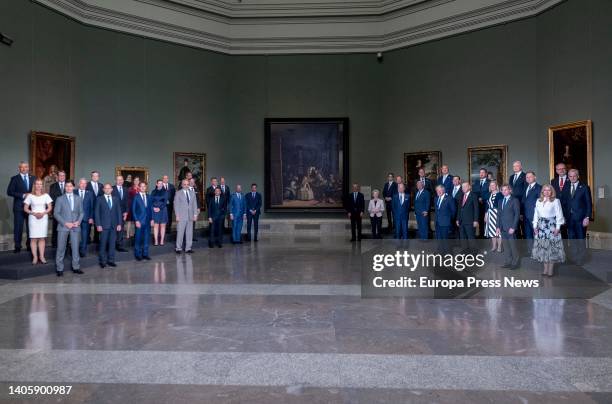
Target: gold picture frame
50	153
492	157
141	172
194	163
430	160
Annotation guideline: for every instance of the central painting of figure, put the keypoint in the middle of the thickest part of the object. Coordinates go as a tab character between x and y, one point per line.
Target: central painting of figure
306	164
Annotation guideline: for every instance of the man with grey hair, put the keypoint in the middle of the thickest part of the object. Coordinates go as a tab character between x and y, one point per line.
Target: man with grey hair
237	214
580	208
68	213
186	213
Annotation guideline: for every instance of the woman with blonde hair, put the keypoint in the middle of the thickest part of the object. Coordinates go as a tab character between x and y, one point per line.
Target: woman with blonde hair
547	221
491	216
38	205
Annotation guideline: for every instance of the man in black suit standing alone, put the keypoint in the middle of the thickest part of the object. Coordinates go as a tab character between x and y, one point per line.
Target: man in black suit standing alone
355	204
55	191
467	217
508	216
389	190
253	206
18	188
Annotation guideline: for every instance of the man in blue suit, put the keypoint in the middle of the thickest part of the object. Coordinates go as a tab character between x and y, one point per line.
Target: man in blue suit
142	214
445	216
237	214
480	189
401	210
532	193
216	217
580	208
88	215
253	205
18	188
427	183
446	179
389	190
108	219
422	202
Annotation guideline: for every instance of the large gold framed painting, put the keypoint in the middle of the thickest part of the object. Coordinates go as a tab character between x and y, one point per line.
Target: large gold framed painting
194	163
430	161
492	158
50	153
131	172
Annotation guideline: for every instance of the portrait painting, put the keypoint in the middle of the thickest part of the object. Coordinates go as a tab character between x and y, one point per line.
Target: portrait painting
131	172
187	165
430	161
306	164
50	153
572	144
492	158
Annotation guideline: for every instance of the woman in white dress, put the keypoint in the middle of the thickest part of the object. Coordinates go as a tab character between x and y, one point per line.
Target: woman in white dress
38	205
547	221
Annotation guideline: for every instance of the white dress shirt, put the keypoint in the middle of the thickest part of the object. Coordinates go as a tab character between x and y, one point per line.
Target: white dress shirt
549	210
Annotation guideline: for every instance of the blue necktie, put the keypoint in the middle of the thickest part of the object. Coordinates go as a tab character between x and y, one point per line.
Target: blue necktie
27	181
440	202
110	204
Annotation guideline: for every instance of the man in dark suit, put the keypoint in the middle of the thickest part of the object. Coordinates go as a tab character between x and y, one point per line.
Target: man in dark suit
427	183
18	188
508	215
480	188
95	187
87	199
532	193
171	190
422	203
446	179
120	192
457	196
445	209
389	190
401	211
561	185
108	219
517	180
467	217
253	206
226	194
55	191
210	191
580	208
355	205
142	214
216	217
194	189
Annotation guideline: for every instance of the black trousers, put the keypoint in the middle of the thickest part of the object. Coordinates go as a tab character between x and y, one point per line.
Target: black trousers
216	231
481	221
170	209
19	218
108	240
389	210
376	226
355	226
467	235
254	219
120	235
53	233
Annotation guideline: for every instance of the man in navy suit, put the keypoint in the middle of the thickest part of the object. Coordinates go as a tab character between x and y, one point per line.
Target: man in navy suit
121	193
108	219
88	214
401	210
467	217
508	217
210	191
580	208
227	195
253	206
445	216
216	217
355	204
480	188
95	187
18	188
427	183
517	180
561	185
171	190
422	202
457	194
389	190
446	179
532	193
142	214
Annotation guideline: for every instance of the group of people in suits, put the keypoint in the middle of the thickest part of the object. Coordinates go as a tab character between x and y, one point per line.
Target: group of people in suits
110	208
544	215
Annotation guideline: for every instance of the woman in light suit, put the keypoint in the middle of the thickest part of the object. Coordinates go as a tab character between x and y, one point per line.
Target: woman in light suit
376	208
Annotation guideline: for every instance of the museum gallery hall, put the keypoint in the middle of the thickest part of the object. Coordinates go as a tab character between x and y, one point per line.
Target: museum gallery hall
261	201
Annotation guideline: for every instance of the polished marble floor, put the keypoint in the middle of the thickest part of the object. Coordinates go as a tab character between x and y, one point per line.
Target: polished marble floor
283	321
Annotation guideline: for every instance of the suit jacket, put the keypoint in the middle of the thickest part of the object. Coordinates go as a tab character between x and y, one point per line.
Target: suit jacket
55	191
389	191
423	202
185	210
227	195
238	205
123	202
17	190
448	184
467	213
445	213
580	206
562	194
171	193
253	203
63	214
529	201
140	212
508	216
210	194
401	211
217	210
88	204
355	205
518	186
481	191
428	185
108	218
100	189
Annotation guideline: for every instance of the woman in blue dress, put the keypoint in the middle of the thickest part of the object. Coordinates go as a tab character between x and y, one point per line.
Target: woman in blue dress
159	198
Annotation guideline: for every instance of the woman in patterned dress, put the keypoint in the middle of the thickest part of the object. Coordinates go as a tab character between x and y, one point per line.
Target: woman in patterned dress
547	221
491	217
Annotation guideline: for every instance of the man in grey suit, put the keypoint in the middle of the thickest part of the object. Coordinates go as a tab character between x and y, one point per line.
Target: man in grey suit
509	212
68	213
186	214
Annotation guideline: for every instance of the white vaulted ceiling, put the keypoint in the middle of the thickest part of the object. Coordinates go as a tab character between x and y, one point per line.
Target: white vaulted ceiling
297	26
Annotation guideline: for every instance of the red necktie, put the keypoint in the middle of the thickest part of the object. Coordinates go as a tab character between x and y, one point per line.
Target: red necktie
561	183
464	199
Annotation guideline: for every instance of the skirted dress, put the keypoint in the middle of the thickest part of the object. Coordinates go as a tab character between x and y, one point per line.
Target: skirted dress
491	225
548	216
159	199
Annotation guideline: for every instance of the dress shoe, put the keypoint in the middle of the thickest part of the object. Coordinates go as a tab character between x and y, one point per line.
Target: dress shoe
219	245
189	251
17	250
112	264
178	251
211	246
82	255
255	240
121	249
146	257
352	240
77	271
138	258
102	265
506	266
59	273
